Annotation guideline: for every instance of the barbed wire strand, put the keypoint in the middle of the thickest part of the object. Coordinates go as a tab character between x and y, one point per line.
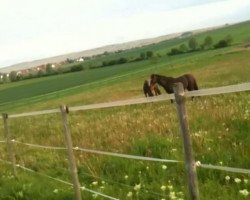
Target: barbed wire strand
59	180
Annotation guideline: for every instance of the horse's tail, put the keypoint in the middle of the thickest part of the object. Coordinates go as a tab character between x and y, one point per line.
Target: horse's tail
195	85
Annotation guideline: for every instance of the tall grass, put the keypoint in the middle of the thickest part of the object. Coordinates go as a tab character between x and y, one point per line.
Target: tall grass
145	130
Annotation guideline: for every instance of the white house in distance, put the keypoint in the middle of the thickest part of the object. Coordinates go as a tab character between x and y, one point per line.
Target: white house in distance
80	60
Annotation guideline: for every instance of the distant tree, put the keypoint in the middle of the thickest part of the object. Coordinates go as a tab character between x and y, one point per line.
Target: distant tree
5	78
122	60
149	54
221	44
40	73
12	76
76	68
112	62
193	44
229	39
142	55
69	60
106	53
208	42
49	69
183	48
104	63
174	51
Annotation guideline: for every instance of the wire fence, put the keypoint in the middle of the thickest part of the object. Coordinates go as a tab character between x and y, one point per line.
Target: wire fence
143	158
203	92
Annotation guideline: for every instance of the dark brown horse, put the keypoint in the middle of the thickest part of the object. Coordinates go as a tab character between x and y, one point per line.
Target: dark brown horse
188	81
149	90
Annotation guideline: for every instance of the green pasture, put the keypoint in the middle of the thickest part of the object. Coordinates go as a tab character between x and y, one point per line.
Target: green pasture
219	128
16	95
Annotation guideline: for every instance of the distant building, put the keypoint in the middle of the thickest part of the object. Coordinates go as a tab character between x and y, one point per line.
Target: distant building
80	60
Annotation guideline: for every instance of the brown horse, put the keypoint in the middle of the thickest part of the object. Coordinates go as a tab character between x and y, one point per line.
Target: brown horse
188	81
149	90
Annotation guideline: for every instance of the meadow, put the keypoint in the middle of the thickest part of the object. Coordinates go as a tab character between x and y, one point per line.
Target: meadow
219	127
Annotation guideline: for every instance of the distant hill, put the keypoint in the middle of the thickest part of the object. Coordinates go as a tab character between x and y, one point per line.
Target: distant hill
100	50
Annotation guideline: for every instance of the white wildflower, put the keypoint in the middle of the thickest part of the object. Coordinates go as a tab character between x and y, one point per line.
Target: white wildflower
95	183
55	191
172	195
130	194
137	187
170	187
237	180
126	177
164	167
227	178
163	187
245	181
244	192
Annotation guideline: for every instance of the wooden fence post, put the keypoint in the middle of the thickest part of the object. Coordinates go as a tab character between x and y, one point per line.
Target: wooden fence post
9	144
71	158
189	161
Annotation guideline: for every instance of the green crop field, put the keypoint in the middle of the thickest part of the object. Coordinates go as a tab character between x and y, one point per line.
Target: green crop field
219	127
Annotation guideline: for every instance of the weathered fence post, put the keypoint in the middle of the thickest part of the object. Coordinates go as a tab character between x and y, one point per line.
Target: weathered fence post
10	149
72	164
189	161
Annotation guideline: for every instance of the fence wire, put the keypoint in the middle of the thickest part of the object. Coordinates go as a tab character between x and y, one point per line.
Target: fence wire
143	158
61	181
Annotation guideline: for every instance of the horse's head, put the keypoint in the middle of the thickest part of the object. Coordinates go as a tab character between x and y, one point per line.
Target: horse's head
153	81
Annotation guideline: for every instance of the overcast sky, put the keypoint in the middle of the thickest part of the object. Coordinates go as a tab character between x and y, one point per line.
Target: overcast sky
35	29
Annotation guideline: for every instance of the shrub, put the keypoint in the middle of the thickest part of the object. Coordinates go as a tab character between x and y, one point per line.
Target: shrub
112	62
122	60
174	51
149	54
221	44
76	68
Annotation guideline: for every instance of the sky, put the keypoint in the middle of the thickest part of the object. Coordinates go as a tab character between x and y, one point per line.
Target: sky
32	29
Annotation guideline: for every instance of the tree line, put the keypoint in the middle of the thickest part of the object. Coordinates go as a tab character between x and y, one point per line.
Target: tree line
193	45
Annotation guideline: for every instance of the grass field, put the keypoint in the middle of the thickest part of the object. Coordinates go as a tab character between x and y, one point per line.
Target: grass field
219	128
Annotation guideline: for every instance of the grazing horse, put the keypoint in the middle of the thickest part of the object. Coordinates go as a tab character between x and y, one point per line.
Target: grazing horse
150	90
188	81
